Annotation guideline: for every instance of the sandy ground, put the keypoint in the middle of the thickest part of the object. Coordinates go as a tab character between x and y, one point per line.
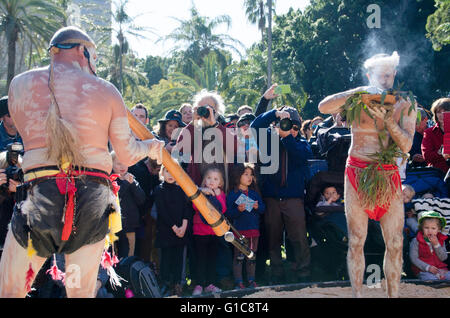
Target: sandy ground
406	291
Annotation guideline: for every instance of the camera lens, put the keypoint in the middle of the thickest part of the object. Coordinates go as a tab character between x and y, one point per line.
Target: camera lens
285	124
203	111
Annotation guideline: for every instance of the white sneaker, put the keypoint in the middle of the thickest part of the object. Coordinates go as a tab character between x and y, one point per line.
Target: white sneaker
197	290
213	289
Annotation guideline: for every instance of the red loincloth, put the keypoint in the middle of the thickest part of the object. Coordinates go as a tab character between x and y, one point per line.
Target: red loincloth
350	170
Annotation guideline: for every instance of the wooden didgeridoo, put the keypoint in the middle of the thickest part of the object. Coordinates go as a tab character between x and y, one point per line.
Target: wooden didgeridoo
216	220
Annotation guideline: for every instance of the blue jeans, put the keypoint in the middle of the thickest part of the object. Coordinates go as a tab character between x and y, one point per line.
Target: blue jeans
431	276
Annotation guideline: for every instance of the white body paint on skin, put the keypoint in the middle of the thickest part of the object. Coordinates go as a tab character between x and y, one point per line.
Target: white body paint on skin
86	103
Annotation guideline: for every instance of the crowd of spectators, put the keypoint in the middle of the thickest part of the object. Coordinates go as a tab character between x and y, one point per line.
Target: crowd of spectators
165	230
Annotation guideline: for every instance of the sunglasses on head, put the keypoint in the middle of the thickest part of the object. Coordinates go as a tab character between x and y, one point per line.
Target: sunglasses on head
295	128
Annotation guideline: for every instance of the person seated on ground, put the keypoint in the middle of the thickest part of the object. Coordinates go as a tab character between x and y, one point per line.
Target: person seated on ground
411	224
433	137
427	250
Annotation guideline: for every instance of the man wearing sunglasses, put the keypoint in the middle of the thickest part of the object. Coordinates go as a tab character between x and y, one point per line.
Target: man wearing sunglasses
283	191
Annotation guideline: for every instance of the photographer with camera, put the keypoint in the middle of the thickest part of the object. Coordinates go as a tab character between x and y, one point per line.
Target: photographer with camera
10	173
8	130
283	191
11	176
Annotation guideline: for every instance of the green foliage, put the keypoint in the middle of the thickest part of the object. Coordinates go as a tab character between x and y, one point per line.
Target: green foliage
256	12
159	101
32	20
320	51
195	39
438	25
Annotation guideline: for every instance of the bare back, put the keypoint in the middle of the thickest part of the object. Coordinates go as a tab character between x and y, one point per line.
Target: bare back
92	106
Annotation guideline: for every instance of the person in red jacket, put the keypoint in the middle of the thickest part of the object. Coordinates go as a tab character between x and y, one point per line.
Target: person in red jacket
427	249
433	137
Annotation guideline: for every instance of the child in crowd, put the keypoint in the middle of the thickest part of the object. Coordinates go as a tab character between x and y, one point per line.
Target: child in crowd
205	240
408	193
131	197
329	197
174	216
243	182
427	250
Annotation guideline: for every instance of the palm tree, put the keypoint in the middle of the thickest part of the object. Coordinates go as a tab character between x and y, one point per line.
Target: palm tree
256	12
197	38
125	27
128	74
36	20
209	75
269	45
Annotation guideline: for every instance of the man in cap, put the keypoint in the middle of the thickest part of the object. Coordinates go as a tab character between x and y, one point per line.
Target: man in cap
66	115
381	71
283	190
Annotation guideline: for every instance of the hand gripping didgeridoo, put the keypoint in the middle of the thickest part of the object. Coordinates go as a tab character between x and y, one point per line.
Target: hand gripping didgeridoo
220	225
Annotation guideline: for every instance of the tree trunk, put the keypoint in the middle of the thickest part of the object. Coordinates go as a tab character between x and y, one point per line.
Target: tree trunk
121	61
269	45
12	38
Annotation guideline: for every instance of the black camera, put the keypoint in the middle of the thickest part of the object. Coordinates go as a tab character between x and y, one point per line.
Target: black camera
286	124
14	150
203	111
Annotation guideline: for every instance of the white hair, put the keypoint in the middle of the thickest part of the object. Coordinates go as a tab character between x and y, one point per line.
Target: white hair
204	93
382	60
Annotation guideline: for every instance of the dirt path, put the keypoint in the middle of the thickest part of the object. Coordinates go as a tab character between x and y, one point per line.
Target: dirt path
406	291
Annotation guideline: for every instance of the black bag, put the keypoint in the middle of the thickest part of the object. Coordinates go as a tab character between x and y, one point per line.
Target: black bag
139	276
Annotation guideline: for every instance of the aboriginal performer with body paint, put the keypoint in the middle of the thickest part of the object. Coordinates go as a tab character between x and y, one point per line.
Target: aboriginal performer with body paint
382	132
67	204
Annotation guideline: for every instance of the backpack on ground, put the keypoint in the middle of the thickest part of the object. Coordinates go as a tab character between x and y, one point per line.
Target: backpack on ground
140	278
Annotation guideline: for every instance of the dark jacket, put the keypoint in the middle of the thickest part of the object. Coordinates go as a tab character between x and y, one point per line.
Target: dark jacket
172	207
298	152
261	108
131	197
147	181
244	220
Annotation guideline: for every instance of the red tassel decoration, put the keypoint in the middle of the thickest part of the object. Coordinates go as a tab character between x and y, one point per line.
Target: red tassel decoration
108	263
106	260
68	217
55	273
29	278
